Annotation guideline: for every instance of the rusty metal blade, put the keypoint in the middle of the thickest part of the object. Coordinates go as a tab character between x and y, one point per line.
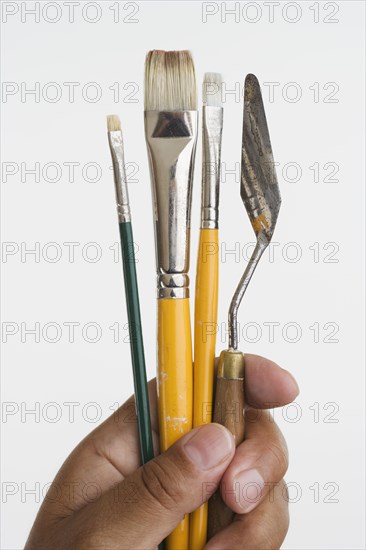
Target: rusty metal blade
259	187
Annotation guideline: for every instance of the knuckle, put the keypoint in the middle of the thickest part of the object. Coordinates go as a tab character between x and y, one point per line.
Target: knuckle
278	449
162	483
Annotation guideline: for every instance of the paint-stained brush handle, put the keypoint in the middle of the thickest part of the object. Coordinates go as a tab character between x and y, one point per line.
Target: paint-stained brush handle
174	387
205	328
228	411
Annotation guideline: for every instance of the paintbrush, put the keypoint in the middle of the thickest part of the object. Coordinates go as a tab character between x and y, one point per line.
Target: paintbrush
261	196
115	140
207	280
171	135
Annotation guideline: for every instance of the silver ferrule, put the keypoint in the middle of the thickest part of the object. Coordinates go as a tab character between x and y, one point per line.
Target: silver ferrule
211	165
171	140
120	183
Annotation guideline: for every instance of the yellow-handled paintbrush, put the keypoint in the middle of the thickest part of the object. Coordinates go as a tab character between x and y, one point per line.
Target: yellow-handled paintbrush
207	278
171	135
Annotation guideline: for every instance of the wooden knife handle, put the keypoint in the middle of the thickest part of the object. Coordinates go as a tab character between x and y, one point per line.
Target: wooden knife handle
228	411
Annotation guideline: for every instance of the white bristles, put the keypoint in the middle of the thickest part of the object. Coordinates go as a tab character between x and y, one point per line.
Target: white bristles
113	123
212	90
170	81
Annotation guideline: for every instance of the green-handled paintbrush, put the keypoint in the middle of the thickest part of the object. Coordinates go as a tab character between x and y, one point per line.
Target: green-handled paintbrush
131	289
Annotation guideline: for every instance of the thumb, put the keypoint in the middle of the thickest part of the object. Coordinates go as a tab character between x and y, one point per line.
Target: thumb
146	506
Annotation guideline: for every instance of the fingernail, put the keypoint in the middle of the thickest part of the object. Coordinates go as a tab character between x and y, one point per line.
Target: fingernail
249	486
209	446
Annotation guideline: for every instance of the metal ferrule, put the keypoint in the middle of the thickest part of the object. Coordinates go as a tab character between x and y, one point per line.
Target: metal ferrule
171	139
120	183
211	164
231	365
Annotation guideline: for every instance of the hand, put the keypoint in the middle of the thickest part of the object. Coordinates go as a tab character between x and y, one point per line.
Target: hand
101	499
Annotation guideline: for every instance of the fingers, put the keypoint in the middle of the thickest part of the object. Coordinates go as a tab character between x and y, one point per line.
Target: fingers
260	462
117	438
266	384
105	457
111	452
144	508
264	528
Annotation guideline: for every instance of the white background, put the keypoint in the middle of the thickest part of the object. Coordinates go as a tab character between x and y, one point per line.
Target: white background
309	123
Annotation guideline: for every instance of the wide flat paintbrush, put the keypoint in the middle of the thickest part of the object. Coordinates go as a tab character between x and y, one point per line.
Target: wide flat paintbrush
131	289
171	134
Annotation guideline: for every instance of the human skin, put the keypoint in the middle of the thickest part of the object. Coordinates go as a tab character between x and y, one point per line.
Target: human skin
103	499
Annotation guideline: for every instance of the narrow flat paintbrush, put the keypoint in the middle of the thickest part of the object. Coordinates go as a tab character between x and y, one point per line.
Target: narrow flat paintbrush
131	289
171	135
207	280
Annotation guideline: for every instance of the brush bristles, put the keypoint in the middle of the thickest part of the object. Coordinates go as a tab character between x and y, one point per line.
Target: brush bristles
113	123
170	81
212	90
